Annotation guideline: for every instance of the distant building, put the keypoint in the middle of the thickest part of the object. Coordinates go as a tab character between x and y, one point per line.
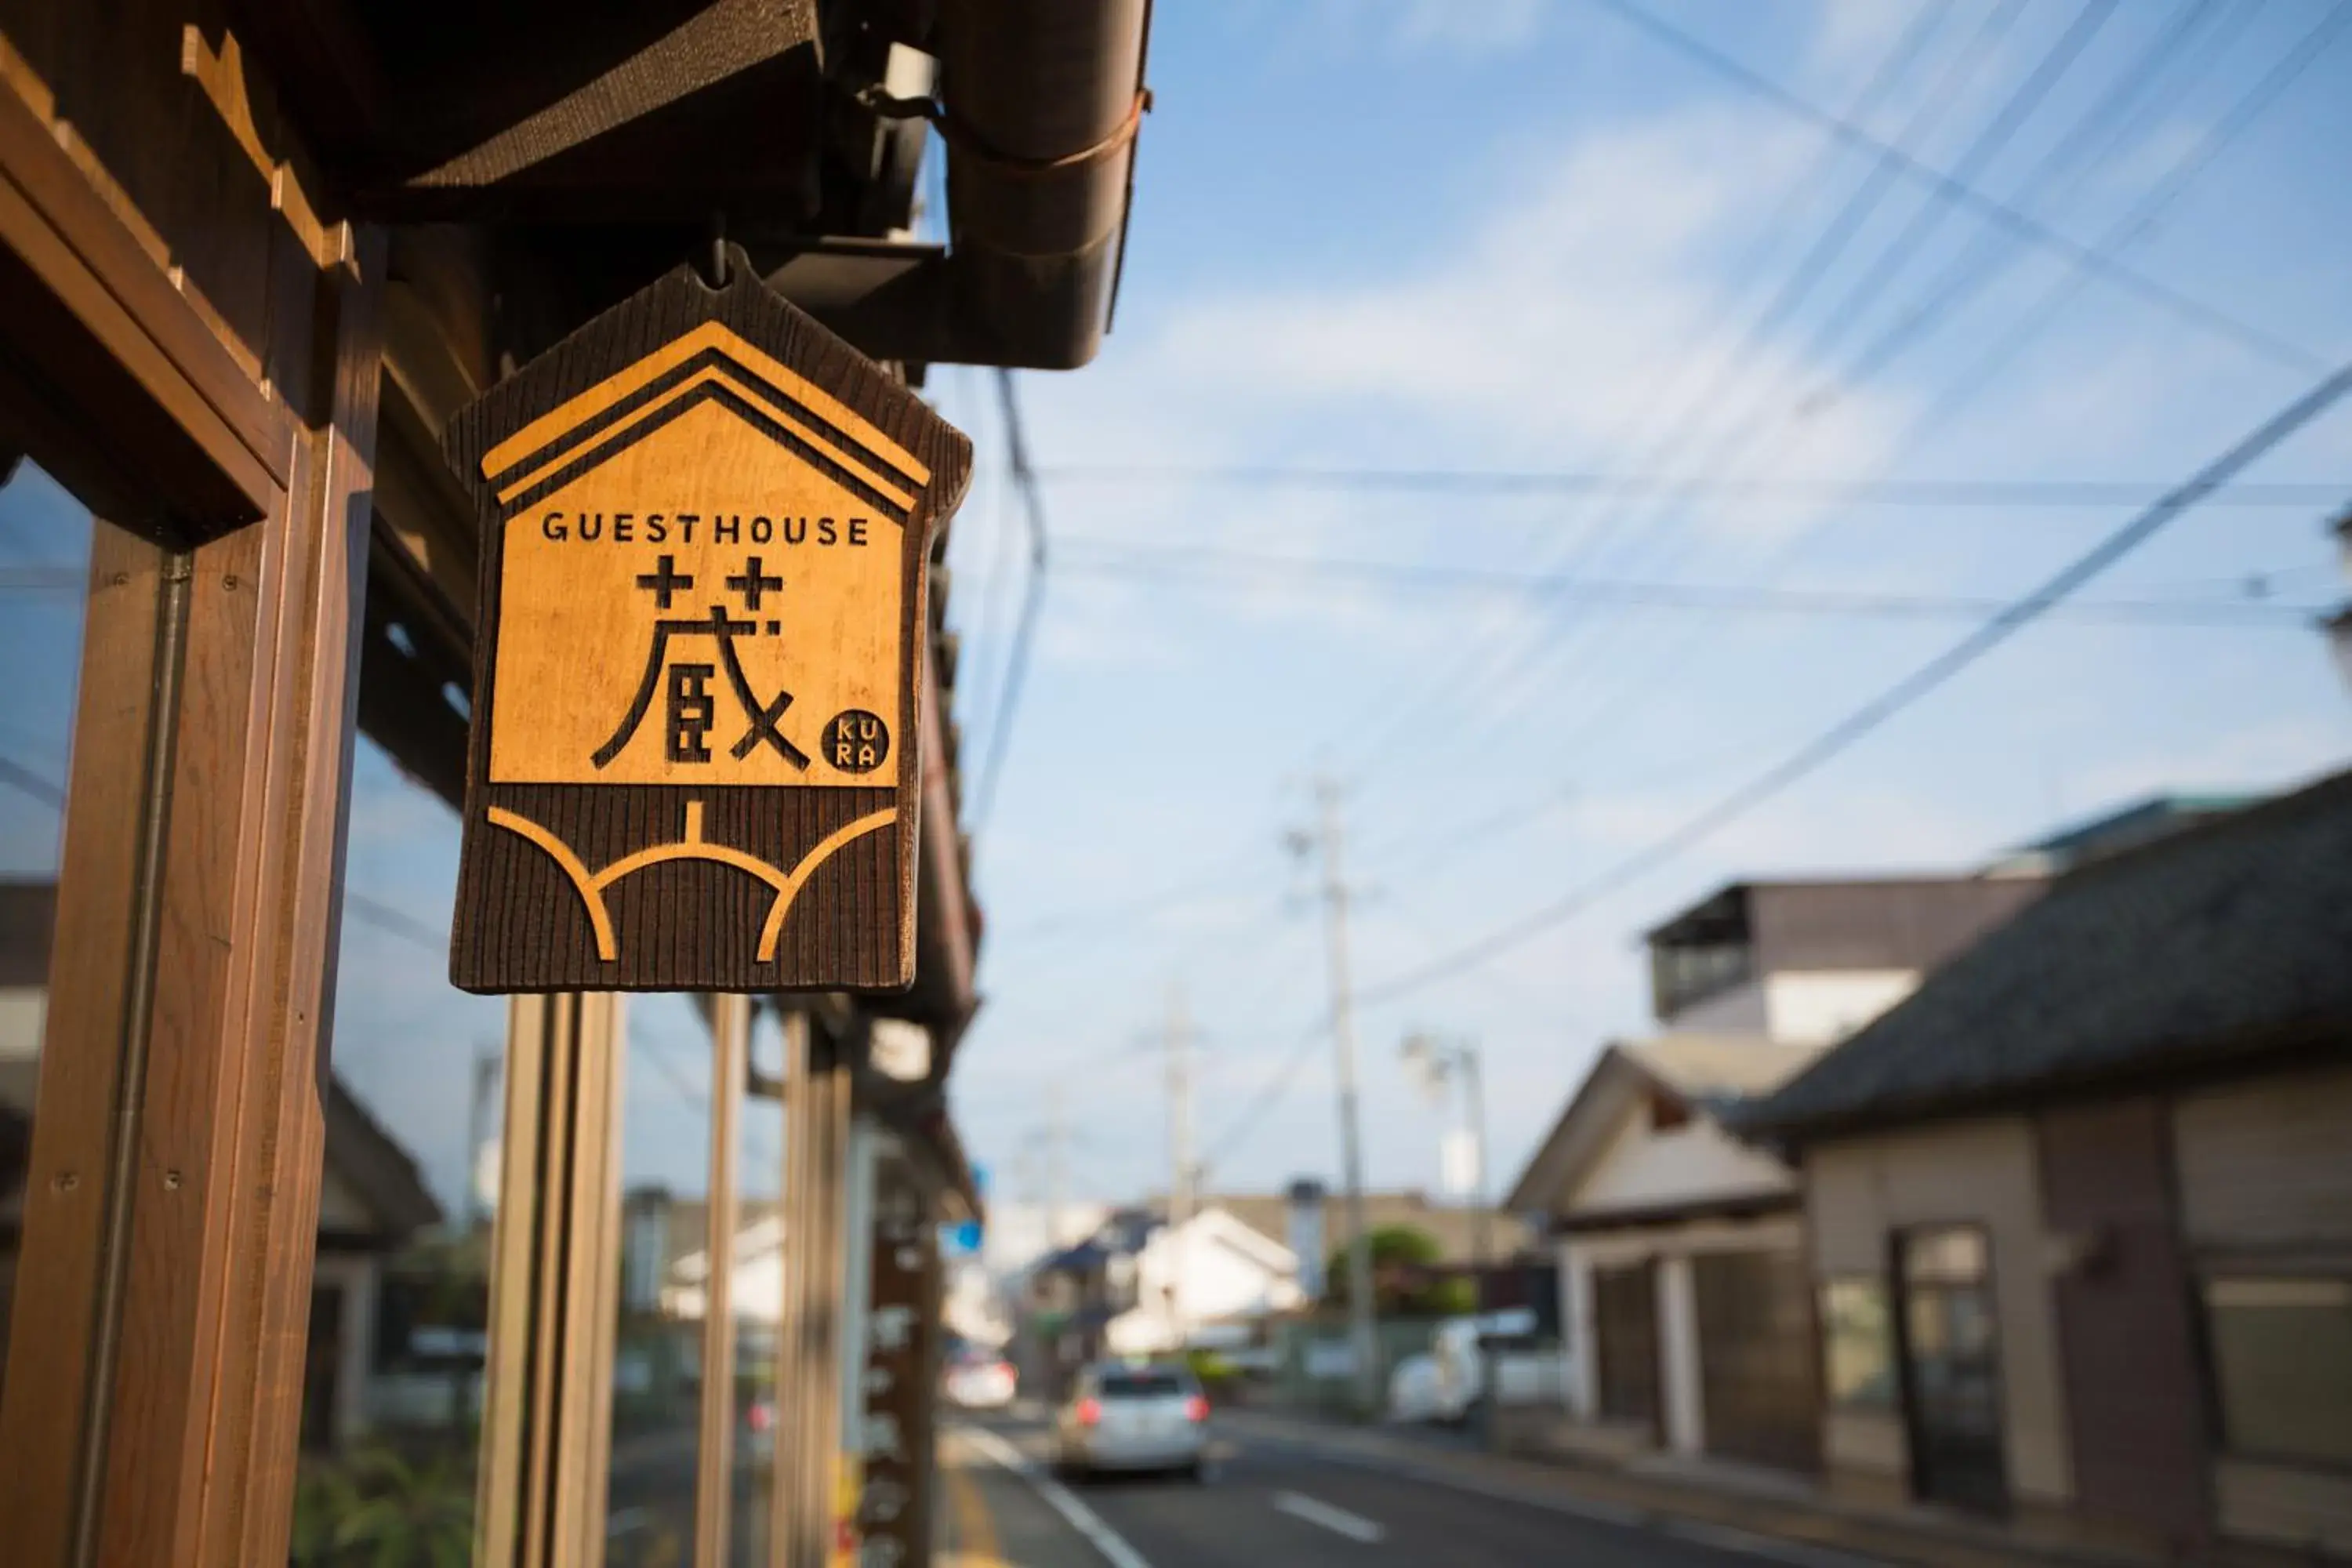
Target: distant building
1686	1304
1810	961
2127	828
2081	1207
1685	1299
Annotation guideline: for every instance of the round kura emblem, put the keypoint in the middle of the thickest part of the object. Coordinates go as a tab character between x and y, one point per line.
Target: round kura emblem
856	741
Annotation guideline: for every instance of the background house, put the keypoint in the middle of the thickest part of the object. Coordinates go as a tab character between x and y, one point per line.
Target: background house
1684	1295
1814	959
2081	1208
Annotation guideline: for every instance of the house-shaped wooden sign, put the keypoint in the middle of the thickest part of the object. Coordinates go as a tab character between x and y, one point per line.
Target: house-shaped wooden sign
705	527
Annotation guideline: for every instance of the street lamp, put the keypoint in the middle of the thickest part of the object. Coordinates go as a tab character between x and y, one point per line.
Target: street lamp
1438	1061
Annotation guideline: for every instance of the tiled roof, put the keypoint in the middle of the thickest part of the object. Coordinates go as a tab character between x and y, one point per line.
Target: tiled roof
2221	942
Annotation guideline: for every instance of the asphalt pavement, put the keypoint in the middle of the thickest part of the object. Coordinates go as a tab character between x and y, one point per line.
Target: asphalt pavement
1272	1502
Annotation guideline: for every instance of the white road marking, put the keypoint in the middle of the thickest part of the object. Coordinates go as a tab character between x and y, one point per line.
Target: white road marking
1082	1518
1727	1538
1354	1526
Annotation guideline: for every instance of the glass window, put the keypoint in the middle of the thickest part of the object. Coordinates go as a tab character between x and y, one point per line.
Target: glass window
1140	1384
1946	1255
759	1287
1858	1344
657	1344
2282	1361
392	1381
44	542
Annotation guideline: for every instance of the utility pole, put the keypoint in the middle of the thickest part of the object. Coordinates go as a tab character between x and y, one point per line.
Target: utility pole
1361	1320
1182	1173
1054	1171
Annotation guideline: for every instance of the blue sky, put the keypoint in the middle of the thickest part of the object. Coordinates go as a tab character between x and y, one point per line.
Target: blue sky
1520	234
1528	237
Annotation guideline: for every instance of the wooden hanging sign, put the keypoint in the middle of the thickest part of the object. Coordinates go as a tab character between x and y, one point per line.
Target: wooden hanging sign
705	522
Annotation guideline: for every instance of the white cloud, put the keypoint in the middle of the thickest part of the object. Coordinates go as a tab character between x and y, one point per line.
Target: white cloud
1466	26
1553	323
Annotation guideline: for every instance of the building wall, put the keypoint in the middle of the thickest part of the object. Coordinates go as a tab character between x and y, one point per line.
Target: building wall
1641	1166
1212	1278
2125	1329
1737	1010
1673	1245
1803	1006
1860	1191
2264	1170
1819	1006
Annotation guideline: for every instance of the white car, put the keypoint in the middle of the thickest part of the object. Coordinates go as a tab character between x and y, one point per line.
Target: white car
1125	1417
981	1384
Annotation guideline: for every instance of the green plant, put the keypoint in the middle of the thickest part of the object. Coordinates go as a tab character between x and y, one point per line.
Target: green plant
1404	1279
378	1509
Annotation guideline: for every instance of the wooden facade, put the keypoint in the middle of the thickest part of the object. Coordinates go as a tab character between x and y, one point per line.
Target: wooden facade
253	257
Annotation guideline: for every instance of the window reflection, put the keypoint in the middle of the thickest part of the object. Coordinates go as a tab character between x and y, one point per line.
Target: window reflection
758	1293
658	1343
392	1383
45	540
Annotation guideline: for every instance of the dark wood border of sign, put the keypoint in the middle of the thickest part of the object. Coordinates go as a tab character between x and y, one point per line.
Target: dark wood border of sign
523	923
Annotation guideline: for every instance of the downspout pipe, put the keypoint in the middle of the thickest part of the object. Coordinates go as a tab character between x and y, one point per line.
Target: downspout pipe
1040	101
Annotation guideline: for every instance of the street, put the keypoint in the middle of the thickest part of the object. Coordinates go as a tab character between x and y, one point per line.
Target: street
1276	1501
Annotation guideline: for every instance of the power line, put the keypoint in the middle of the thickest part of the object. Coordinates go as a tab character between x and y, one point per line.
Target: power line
1032	600
396	923
2117	237
2143	214
1744	435
1268	1096
1945	188
26	782
43	579
1875	713
1100	558
1991	494
1389	719
2109	121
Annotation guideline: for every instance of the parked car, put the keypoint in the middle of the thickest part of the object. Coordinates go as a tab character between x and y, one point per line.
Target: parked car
982	1383
1413	1390
1125	1417
1466	1350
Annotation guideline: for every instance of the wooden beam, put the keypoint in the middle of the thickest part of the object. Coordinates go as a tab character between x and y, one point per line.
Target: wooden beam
138	327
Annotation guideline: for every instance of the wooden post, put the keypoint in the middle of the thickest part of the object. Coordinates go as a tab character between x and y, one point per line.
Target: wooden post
808	1369
554	1288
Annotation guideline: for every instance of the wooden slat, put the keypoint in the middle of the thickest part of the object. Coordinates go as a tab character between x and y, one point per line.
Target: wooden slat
103	273
316	693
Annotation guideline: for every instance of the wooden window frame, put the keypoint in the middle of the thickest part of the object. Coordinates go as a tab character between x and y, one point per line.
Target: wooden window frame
173	1194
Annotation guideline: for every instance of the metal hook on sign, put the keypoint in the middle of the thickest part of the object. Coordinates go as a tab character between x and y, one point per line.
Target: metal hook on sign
717	273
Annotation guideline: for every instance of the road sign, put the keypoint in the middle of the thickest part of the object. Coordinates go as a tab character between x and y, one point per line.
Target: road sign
706	523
